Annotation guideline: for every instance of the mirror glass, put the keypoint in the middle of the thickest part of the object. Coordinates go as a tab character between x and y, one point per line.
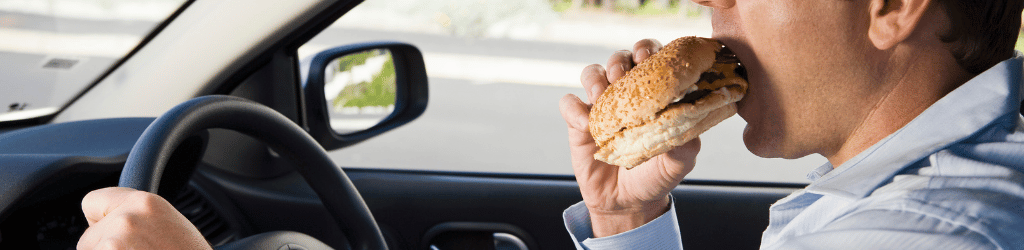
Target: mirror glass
360	90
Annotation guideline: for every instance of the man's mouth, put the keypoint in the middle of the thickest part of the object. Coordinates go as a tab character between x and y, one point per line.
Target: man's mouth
725	61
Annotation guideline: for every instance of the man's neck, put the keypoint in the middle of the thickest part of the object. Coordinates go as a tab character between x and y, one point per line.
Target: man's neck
912	83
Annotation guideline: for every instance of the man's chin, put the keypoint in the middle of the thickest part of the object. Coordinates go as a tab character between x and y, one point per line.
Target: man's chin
759	144
750	141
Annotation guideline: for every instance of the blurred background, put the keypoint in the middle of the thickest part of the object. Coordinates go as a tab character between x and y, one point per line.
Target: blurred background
497	69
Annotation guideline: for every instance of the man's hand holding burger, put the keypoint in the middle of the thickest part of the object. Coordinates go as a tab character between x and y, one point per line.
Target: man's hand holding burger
619	199
640	137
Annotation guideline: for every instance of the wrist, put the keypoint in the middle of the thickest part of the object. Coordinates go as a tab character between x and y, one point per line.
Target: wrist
606	223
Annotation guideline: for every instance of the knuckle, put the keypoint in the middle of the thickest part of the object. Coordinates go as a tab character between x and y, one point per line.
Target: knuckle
649	44
652	42
643	43
622	55
127	222
592	73
147	203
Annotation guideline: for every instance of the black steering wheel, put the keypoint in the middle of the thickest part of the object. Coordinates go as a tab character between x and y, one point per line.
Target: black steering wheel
149	157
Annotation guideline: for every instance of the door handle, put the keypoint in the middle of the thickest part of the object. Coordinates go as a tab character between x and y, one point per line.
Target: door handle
505	241
477	235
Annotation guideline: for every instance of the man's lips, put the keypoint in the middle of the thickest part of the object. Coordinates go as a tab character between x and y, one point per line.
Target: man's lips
742	53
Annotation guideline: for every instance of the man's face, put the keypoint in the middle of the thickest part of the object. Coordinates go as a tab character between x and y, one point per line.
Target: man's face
808	64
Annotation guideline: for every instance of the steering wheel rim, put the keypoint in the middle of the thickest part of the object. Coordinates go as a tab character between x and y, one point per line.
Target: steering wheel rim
148	159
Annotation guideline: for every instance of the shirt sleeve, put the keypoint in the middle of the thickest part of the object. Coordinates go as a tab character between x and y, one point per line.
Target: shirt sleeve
660	233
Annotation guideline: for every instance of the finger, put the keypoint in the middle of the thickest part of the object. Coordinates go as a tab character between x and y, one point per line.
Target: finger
575	112
644	49
108	233
618	64
581	144
679	161
92	236
98	203
590	173
594	81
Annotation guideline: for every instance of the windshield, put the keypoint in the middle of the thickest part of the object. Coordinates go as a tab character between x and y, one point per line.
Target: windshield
52	50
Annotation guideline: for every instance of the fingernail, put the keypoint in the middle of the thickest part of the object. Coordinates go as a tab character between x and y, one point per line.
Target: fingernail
594	92
623	68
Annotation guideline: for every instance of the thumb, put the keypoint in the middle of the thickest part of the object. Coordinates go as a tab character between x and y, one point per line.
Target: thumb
575	112
679	161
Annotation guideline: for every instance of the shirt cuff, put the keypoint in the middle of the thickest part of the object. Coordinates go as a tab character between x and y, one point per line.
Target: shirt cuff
660	233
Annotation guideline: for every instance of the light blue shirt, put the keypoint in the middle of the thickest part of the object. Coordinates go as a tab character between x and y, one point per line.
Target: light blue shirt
953	178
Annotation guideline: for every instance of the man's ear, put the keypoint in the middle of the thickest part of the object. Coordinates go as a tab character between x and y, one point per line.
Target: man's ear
892	21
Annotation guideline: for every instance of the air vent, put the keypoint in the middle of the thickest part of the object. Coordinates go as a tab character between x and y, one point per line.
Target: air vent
60	63
198	210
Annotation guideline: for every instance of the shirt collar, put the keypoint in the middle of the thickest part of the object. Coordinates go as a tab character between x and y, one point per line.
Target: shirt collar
958	115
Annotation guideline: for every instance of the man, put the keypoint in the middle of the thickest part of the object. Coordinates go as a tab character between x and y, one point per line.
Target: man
873	85
913	102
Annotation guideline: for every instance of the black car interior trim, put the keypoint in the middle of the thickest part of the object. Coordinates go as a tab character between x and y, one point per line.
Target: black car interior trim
411	93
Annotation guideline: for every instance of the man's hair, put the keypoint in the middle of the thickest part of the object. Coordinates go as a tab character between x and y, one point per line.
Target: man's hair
983	32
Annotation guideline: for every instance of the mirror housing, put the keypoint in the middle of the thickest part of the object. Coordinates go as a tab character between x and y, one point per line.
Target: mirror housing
410	92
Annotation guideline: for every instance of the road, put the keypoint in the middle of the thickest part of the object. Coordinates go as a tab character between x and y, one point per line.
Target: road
492	126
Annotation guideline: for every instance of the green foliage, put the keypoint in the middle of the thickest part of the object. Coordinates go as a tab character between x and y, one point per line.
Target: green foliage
1020	42
694	12
346	62
380	91
561	5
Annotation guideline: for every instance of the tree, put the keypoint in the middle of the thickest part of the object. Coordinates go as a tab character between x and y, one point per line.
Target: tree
660	4
608	5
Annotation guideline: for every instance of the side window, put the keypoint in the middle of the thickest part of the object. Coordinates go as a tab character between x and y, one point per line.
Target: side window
497	70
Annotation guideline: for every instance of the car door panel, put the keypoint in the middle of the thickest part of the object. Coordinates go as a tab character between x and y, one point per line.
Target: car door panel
411	202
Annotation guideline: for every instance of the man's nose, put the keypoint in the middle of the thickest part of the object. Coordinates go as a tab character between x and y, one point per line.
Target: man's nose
717	4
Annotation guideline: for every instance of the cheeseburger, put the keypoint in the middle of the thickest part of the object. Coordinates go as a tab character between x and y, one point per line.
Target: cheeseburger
667	100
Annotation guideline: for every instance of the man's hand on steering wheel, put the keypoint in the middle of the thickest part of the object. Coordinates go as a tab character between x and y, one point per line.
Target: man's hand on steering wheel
124	218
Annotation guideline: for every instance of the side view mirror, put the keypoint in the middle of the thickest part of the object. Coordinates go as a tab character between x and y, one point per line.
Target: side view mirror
355	92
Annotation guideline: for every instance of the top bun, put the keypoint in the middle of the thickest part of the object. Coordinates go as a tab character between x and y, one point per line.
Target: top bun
648	88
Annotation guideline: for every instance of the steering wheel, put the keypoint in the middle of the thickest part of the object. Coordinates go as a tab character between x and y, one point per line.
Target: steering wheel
149	157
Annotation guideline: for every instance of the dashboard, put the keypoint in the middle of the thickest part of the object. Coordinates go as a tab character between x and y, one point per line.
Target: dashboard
45	171
46	222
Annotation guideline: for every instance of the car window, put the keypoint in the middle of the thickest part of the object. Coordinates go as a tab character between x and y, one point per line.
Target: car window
497	69
51	50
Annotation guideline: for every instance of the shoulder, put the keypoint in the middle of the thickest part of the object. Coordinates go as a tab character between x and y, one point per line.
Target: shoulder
973	186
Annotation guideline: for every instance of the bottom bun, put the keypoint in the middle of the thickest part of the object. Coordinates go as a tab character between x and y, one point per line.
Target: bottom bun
674	127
